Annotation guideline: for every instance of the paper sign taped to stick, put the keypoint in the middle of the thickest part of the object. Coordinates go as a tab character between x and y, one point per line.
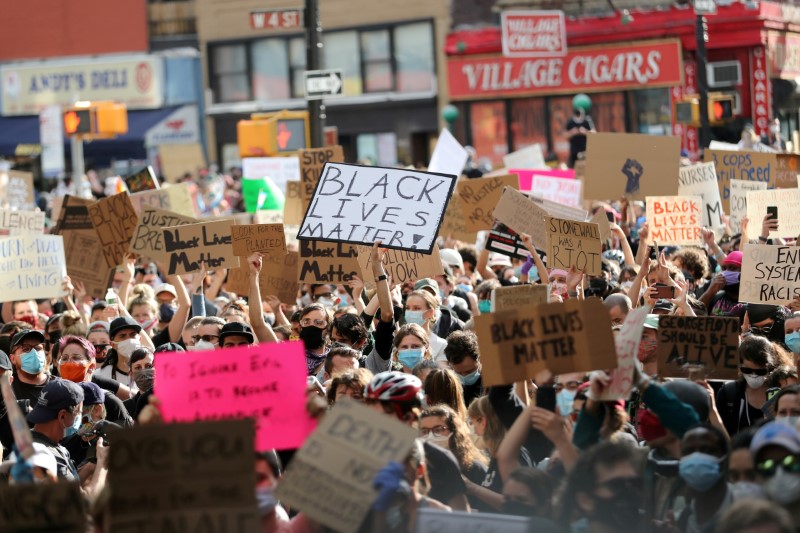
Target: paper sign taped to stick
631	164
439	521
741	165
115	221
264	238
278	277
570	242
601	219
148	239
43	508
32	267
400	265
504	240
574	336
143	180
455	223
700	346
449	157
174	198
210	242
323	262
330	478
312	160
675	219
360	205
559	190
17	190
530	157
519	297
770	274
788	203
738	200
191	476
21	222
519	213
627	345
266	382
701	180
478	198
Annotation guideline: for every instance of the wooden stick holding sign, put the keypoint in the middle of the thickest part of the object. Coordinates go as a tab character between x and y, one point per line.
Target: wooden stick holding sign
572	243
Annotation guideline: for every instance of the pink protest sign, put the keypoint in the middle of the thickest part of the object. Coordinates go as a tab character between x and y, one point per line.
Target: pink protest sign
627	344
266	383
526	176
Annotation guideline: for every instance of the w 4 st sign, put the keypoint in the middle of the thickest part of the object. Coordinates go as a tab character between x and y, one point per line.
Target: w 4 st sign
276	19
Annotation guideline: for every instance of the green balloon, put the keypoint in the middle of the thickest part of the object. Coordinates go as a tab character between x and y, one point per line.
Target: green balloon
582	101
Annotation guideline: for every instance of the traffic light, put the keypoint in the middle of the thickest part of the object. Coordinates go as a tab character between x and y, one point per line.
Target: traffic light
273	134
720	108
78	122
96	120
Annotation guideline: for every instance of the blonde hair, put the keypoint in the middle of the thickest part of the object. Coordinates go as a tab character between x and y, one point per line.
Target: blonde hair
417	331
430	302
495	430
71	323
143	300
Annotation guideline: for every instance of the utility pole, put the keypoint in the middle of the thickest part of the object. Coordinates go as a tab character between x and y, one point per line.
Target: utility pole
701	37
316	109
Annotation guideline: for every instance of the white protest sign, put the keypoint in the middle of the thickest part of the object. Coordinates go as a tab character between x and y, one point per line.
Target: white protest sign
530	157
19	222
770	274
278	169
788	203
759	147
449	157
738	200
31	267
561	190
626	342
701	180
360	205
440	521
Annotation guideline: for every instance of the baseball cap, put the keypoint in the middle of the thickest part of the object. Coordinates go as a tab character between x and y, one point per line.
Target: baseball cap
169	347
239	329
451	257
123	322
775	434
429	284
25	334
651	322
5	362
166	287
99	325
56	395
496	259
42	457
734	258
92	393
663	305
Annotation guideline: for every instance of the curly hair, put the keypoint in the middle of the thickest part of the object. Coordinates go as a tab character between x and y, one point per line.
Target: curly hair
461	443
461	344
694	261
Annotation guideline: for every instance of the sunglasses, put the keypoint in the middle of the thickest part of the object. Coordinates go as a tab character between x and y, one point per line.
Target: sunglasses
790	463
753	371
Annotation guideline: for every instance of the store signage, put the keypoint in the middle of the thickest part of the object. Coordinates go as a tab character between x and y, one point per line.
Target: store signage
179	127
276	19
534	33
28	88
591	69
761	90
690	140
784	55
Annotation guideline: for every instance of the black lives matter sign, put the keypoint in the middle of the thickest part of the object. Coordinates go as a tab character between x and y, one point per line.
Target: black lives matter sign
359	204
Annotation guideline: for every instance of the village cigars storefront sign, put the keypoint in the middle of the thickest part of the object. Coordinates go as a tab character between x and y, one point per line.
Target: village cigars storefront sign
623	66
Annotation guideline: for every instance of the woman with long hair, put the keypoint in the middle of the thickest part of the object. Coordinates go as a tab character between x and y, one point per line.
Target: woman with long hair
442	386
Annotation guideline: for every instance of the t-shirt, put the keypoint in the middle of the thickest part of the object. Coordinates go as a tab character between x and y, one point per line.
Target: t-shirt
108	384
126	378
26	391
65	468
444	474
577	143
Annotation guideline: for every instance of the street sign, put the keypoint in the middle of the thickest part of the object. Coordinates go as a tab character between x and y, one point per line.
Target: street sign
276	19
705	7
323	83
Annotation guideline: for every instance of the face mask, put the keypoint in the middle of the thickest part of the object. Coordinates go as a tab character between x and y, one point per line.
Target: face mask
147	324
266	500
127	347
775	129
410	358
464	287
755	382
470	379
54	337
414	317
516	508
29	319
647	349
485	306
144	378
793	341
327	302
790	421
74	372
626	285
700	471
621	511
202	346
564	400
649	427
783	488
33	362
344	301
312	337
731	278
73	429
441	441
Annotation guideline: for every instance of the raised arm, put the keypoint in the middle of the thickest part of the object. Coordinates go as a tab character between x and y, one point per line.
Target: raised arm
263	331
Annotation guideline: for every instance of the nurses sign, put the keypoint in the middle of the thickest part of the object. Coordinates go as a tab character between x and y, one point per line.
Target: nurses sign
534	33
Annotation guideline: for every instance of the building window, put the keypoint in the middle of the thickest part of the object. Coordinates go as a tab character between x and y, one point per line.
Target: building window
376	56
341	51
270	74
528	123
377	148
652	111
608	112
229	72
489	135
297	65
413	57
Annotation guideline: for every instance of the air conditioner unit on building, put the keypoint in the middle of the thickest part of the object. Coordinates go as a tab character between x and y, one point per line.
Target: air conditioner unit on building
724	74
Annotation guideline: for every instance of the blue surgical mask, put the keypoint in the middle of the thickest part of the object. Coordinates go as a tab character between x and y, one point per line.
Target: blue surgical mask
464	287
410	358
33	362
265	497
472	378
700	471
414	317
731	278
73	429
564	400
485	306
793	341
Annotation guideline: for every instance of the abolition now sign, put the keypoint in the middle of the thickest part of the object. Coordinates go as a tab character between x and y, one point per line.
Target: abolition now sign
361	205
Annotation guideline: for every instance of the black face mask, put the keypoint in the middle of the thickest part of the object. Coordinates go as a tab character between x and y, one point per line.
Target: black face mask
516	508
313	337
623	510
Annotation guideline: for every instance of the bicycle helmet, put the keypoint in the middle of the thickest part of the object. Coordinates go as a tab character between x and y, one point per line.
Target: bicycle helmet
394	387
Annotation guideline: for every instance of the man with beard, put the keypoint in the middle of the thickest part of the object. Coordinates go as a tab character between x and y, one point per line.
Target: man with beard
722	296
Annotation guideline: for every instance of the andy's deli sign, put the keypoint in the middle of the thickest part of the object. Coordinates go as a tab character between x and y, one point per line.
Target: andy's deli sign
590	69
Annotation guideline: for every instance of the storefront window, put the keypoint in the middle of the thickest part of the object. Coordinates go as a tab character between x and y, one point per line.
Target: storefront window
413	55
489	136
376	53
608	112
528	123
229	72
560	113
341	50
270	69
377	149
297	64
652	111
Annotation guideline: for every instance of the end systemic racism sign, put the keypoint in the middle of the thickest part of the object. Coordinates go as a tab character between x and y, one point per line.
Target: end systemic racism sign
358	204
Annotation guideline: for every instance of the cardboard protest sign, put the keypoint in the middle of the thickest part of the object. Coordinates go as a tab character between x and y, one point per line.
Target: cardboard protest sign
115	221
631	164
698	345
449	157
330	478
627	346
360	205
322	262
210	242
570	242
560	190
16	190
175	160
148	240
601	219
738	200
293	209
526	176
519	213
574	336
43	508
266	382
454	225
279	169
174	198
504	240
701	180
278	277
788	203
143	180
21	222
479	198
786	171
439	521
190	476
554	209
530	157
32	267
264	238
268	216
519	297
400	265
770	274
312	160
675	219
741	165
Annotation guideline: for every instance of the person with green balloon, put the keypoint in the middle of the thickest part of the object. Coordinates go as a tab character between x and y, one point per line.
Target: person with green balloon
578	126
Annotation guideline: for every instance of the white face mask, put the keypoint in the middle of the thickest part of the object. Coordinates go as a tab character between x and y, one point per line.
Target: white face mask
755	382
202	346
127	347
441	441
